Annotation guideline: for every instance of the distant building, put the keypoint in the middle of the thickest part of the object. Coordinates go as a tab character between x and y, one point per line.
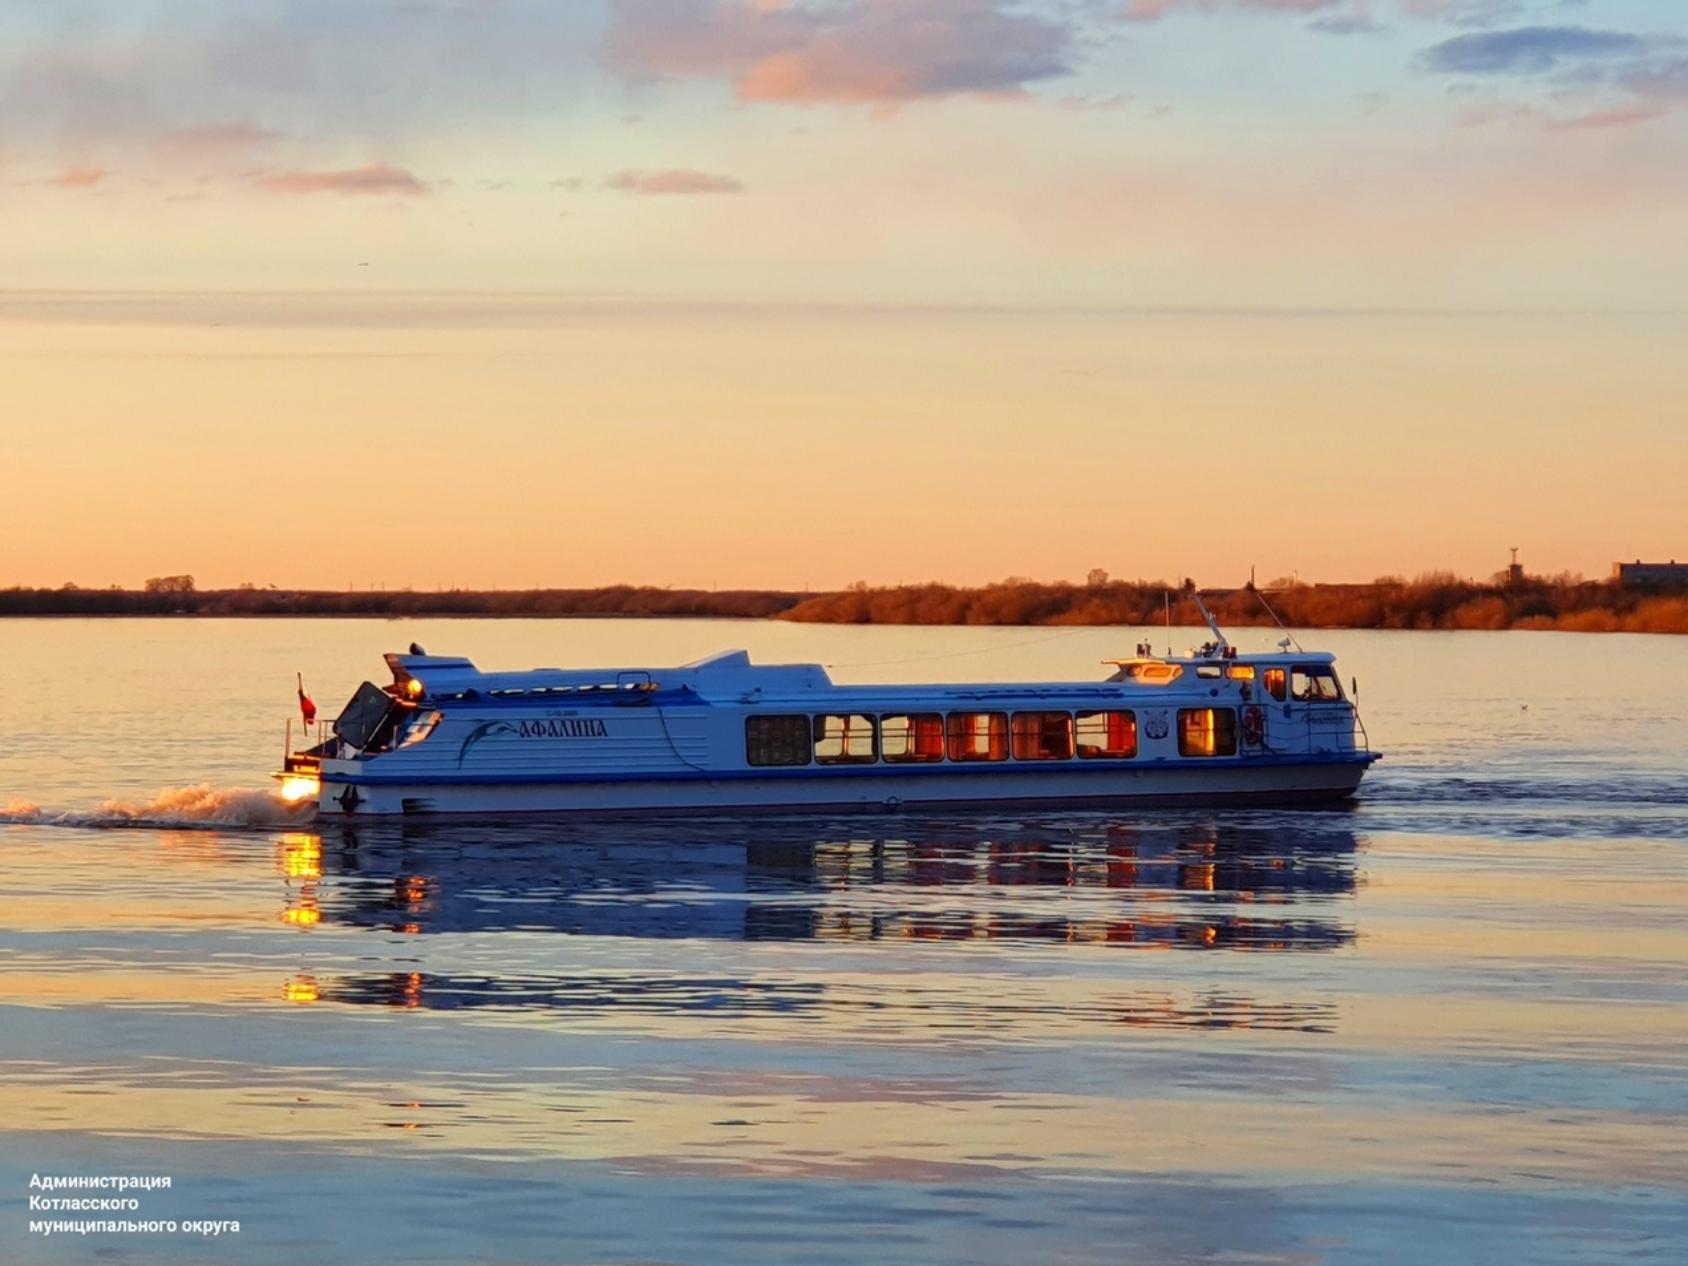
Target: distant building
1640	574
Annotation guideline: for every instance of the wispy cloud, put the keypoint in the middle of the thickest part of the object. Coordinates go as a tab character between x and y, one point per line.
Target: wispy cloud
1601	120
1341	17
1155	10
678	181
877	52
217	138
115	74
1594	80
376	178
1587	119
78	177
1356	23
1471	12
1532	50
1664	79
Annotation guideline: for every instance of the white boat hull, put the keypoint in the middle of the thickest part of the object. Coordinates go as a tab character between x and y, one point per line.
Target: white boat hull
725	736
1246	782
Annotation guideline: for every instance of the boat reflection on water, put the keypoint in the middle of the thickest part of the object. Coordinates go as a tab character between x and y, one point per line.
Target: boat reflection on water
1280	882
1270	884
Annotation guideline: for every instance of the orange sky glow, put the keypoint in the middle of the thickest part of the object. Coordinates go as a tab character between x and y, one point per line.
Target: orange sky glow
790	295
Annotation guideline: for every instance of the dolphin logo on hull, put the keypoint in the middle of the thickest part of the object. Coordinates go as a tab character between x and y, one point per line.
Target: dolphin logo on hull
485	729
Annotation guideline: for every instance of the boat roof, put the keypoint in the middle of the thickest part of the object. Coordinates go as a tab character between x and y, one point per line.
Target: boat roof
730	675
727	672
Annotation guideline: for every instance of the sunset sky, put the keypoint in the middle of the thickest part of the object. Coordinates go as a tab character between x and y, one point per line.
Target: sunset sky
796	292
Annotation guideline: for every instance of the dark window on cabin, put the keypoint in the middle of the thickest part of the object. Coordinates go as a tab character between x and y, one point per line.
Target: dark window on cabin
1207	731
776	740
978	736
911	737
1043	736
1273	680
1107	735
1314	684
844	739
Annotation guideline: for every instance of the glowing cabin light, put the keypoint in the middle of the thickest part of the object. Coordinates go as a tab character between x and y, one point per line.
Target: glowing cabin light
295	789
413	688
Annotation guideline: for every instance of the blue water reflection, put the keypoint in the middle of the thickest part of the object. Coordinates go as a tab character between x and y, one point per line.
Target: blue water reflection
1275	883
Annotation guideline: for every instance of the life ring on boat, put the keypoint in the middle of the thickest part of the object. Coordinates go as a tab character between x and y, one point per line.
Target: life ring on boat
1254	726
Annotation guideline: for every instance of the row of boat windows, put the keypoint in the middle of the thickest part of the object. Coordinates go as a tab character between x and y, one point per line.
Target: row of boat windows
1310	683
926	737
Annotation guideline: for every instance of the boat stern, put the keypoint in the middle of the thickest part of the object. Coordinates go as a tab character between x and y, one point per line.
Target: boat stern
300	774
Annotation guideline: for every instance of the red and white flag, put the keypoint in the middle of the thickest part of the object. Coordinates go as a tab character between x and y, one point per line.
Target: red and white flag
307	709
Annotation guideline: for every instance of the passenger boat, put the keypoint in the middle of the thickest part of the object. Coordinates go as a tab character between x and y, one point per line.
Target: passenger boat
726	735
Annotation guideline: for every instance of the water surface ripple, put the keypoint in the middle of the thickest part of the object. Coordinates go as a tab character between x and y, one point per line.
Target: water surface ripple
1443	1024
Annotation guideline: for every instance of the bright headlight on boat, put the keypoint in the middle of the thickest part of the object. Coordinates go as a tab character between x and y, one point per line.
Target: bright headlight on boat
295	789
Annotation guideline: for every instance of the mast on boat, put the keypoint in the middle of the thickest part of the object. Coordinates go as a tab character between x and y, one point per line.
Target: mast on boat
1221	645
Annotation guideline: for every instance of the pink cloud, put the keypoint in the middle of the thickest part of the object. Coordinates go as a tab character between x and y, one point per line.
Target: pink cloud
1500	112
1154	10
1595	120
78	177
1338	17
1590	120
673	182
376	178
879	52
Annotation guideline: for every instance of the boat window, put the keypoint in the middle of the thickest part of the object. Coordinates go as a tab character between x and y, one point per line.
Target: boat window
1043	736
1273	680
978	736
1210	671
777	740
1153	674
1207	731
1107	735
1240	672
912	737
845	739
1314	683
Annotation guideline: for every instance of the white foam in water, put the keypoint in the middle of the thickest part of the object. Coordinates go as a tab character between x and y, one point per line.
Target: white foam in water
173	807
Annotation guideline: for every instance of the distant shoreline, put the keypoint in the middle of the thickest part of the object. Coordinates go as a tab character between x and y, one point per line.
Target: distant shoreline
1435	602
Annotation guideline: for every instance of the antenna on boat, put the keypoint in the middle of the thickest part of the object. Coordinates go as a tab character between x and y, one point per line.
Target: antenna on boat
1288	641
1167	598
1221	646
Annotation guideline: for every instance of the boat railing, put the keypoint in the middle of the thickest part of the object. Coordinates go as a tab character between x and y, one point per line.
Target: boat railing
1329	726
312	737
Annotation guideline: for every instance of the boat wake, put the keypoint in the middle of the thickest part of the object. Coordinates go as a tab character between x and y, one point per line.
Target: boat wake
202	807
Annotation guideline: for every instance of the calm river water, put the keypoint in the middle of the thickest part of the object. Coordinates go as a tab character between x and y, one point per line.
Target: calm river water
1446	1025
